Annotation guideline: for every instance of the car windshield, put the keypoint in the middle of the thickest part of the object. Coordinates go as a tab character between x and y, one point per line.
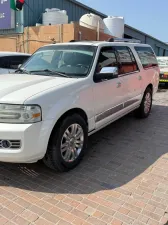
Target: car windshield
68	60
162	62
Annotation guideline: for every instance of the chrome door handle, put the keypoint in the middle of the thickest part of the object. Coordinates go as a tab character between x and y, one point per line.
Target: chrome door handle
118	84
139	78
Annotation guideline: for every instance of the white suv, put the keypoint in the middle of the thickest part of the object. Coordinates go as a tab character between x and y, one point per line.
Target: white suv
66	92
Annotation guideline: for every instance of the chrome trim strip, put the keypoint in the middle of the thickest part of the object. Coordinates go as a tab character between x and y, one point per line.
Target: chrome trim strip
109	112
111	121
115	109
130	102
126	74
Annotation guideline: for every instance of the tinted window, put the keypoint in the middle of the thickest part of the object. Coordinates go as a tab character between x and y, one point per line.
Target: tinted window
107	58
127	60
146	56
4	62
12	62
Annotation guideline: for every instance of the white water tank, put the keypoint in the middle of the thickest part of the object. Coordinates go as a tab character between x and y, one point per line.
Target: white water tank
55	16
92	21
114	26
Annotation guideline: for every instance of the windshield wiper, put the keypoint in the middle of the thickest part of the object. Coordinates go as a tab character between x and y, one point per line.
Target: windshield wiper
21	71
51	72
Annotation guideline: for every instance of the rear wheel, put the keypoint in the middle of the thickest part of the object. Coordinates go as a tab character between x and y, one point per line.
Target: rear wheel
67	144
145	108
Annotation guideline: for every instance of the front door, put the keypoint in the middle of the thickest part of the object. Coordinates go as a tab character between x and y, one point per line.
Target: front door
109	95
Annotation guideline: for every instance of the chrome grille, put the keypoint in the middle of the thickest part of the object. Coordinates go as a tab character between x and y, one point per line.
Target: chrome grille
13	144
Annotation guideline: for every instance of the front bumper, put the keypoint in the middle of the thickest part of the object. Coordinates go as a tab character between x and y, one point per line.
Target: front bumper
33	142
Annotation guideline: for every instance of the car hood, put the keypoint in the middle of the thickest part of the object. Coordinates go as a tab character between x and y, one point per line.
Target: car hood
16	88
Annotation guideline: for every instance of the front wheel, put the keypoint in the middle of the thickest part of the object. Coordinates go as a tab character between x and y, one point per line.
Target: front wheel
145	108
67	144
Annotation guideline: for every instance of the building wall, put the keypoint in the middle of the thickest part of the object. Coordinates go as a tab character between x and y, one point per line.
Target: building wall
159	47
33	12
33	15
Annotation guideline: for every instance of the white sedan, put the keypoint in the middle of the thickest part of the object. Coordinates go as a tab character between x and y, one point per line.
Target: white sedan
9	61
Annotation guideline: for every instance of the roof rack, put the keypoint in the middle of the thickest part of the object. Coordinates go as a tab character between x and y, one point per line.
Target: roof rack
123	40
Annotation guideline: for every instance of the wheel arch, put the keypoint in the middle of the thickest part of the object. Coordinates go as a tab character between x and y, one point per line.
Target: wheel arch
150	86
70	112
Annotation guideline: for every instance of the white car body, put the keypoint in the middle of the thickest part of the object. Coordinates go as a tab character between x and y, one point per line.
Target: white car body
14	55
58	95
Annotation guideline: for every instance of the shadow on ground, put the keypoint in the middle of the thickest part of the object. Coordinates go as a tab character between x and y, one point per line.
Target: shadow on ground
116	155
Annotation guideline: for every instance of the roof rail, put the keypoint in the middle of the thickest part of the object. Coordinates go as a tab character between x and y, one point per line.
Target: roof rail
123	40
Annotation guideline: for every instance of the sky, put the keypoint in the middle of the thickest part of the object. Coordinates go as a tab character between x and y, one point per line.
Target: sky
149	16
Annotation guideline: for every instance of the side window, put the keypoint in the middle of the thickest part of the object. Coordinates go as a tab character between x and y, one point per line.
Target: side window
147	57
127	60
14	61
107	58
4	62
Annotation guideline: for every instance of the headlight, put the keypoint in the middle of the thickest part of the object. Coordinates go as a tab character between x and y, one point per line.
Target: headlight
20	113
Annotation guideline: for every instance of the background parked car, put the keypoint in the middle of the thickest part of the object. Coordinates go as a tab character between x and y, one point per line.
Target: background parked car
163	64
9	61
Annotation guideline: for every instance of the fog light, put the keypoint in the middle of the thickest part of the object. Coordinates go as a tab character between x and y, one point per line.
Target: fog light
5	144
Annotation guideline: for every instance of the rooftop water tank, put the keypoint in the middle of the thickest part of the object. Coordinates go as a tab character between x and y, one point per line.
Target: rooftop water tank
92	21
114	26
54	16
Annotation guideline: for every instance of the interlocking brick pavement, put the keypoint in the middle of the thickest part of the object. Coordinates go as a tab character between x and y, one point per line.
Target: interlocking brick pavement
122	180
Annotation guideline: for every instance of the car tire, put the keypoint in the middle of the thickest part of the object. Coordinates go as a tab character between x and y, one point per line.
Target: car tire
59	159
145	108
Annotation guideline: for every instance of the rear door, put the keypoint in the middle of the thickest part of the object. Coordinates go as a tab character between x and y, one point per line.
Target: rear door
150	69
131	76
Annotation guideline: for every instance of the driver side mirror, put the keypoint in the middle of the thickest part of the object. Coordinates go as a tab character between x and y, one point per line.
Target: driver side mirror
112	70
106	73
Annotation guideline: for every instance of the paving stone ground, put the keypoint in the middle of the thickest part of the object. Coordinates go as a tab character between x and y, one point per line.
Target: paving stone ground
122	180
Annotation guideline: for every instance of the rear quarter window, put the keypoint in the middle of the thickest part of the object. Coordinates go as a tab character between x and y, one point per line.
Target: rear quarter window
147	57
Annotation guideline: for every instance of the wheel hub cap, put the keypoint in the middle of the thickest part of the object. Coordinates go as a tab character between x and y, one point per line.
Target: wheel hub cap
147	103
72	142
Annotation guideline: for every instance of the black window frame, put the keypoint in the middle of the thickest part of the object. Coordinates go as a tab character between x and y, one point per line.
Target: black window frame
116	56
